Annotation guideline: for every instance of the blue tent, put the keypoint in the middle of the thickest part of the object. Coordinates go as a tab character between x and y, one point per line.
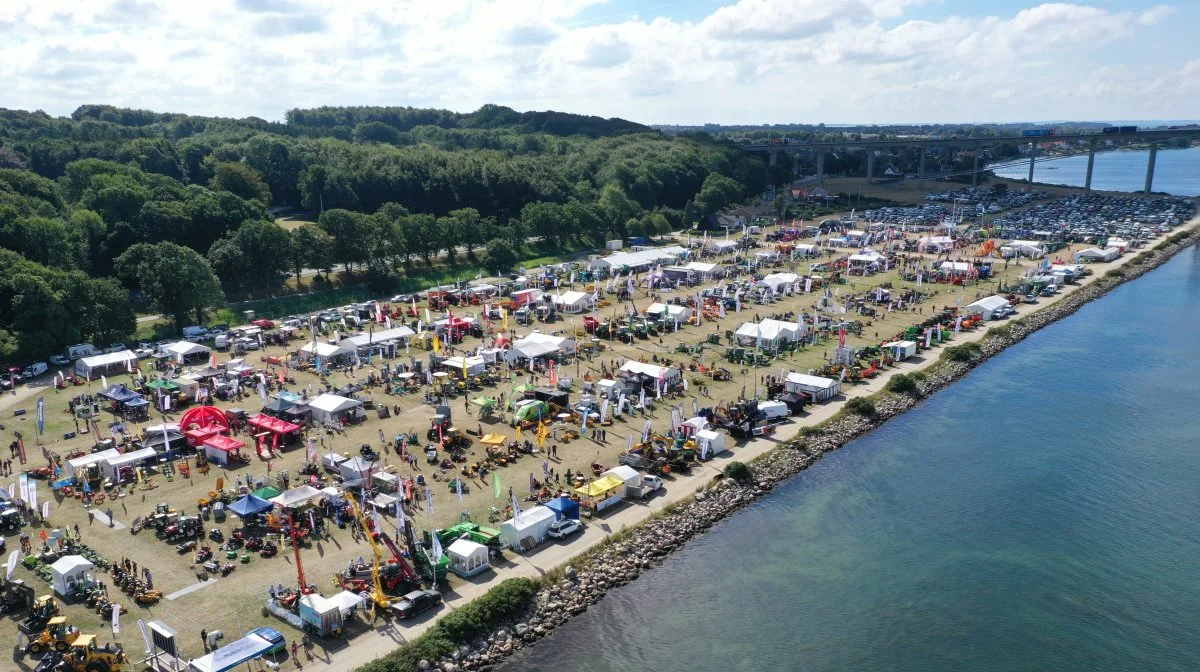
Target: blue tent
119	393
564	507
250	505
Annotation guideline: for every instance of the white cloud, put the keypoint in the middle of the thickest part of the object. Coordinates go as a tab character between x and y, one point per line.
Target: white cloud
750	60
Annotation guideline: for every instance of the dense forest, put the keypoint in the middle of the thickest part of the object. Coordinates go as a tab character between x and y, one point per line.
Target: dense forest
113	209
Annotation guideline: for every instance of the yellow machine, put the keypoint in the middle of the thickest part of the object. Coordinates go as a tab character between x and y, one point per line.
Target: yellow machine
85	656
57	635
377	595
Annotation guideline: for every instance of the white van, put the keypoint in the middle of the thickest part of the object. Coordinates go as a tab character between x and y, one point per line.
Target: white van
194	333
221	341
74	352
34	370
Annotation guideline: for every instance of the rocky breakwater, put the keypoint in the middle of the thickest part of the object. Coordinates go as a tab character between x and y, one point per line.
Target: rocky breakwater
626	555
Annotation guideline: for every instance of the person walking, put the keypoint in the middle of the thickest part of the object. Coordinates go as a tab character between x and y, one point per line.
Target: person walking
204	638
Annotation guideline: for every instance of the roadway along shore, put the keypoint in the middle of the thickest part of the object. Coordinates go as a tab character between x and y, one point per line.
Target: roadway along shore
537	563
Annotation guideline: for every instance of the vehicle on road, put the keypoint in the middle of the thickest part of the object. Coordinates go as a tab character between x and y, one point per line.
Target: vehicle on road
263	323
565	528
416	602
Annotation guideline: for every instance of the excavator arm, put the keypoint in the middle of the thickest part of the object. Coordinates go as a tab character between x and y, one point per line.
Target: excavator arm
377	594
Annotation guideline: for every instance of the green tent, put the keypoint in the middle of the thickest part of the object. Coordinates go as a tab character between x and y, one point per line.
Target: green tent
165	385
266	492
531	411
484	401
522	389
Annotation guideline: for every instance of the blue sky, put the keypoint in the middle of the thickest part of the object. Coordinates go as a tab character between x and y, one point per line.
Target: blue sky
665	61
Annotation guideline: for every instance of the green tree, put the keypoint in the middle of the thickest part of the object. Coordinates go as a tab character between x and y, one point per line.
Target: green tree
311	248
173	279
241	180
469	228
348	229
501	256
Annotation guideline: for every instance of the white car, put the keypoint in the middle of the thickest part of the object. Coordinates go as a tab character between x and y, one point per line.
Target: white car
565	527
650	483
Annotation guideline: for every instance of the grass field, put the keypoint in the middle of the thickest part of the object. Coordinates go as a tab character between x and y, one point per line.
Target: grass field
234	603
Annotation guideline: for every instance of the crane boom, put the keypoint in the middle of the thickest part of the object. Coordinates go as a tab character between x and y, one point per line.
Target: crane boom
377	594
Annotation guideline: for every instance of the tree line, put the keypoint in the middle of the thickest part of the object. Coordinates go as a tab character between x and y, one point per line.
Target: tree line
175	211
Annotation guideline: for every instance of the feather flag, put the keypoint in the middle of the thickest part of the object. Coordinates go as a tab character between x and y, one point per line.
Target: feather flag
496	488
458	490
437	548
517	510
429	498
646	432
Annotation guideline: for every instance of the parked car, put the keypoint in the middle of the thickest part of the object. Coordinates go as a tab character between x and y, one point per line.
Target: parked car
263	323
650	483
34	370
273	636
115	347
416	602
565	528
248	343
59	360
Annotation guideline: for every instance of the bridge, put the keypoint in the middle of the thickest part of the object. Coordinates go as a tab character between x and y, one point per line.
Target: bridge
821	148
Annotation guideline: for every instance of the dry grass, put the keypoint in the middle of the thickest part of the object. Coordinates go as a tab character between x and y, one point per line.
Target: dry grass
236	601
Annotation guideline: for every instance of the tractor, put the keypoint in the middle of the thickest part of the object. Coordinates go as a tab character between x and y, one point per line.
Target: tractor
57	635
85	656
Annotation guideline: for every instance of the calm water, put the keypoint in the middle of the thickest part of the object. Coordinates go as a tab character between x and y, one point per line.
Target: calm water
1176	171
1041	514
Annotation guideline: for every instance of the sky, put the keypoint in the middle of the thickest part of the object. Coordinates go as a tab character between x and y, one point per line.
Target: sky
653	61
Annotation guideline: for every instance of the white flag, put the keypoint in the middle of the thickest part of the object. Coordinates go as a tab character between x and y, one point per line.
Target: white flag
516	510
646	432
628	443
437	548
45	510
116	619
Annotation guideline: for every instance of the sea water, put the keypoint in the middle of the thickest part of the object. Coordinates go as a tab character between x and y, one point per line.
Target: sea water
1041	514
1176	171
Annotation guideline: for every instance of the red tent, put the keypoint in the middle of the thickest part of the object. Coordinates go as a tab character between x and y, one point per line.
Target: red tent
217	448
196	437
205	417
273	425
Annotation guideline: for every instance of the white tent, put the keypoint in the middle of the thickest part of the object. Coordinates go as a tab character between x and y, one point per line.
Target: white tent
806	250
475	365
574	302
130	459
68	571
186	349
770	330
671	313
328	407
815	387
705	269
955	267
902	350
988	306
74	465
468	558
97	364
232	655
537	344
364	340
1097	254
530	531
935	244
866	259
628	475
722	246
710	442
650	370
777	280
296	497
354	470
325	350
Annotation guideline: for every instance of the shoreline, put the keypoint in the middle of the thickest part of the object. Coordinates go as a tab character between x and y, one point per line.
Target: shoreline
619	557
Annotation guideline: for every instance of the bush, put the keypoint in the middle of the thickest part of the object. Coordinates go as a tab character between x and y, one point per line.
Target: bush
901	384
738	471
500	605
1115	273
918	376
863	406
962	353
1143	258
811	430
